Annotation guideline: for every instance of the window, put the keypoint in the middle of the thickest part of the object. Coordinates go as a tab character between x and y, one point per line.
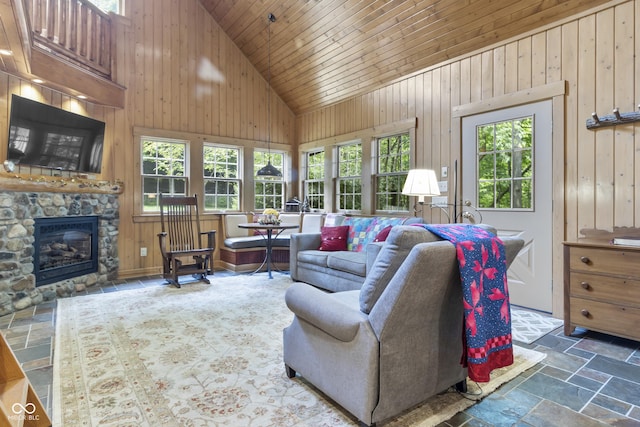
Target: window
350	177
505	164
221	168
268	191
107	5
164	166
394	158
314	180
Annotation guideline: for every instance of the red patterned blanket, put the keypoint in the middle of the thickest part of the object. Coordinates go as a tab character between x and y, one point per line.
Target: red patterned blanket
483	271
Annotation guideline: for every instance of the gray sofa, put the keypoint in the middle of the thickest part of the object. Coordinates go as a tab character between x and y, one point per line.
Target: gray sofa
391	345
340	270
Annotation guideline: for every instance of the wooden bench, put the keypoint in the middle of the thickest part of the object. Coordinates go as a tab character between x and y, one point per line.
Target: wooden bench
243	251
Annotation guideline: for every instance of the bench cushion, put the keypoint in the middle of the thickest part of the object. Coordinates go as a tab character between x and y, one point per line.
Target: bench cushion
245	242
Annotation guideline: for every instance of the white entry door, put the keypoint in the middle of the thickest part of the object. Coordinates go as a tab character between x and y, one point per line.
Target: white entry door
506	174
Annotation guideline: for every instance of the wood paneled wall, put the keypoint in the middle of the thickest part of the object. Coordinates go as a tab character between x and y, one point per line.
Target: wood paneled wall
183	78
596	54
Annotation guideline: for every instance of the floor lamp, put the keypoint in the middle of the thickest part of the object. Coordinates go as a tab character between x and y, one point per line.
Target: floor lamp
421	183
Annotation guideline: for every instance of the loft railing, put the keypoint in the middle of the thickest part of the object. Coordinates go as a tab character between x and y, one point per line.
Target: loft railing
75	29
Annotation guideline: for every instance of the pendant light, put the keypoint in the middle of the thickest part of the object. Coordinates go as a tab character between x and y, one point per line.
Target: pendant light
269	169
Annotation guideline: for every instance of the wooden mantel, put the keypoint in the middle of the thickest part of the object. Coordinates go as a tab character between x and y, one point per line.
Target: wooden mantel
53	184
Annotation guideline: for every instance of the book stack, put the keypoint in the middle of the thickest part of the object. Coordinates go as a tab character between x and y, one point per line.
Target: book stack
626	241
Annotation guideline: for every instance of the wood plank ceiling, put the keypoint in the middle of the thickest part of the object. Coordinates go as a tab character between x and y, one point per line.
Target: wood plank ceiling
325	51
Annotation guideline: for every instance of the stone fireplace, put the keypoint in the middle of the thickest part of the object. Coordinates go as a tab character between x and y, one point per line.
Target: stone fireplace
64	247
19	213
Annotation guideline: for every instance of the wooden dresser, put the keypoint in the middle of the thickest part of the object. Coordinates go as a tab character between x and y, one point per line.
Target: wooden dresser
602	287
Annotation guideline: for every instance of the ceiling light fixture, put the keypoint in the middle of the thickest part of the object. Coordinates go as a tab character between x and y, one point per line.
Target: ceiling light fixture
269	169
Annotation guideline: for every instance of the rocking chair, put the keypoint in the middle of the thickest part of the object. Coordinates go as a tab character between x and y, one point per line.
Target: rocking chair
181	238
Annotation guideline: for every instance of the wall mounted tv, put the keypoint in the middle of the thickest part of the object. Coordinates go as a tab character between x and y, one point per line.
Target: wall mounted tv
48	137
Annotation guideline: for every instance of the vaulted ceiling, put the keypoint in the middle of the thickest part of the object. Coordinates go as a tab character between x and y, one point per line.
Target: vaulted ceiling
325	51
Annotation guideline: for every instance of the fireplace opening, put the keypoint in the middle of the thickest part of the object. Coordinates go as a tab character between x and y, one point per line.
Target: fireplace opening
65	247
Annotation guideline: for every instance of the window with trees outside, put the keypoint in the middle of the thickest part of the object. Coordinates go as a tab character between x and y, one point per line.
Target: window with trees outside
314	179
107	5
164	166
505	164
221	168
268	191
350	177
394	160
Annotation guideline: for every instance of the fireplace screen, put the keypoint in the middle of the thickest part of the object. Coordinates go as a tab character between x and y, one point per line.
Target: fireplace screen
65	247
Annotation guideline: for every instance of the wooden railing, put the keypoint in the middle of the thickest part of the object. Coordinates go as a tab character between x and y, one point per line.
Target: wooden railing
75	29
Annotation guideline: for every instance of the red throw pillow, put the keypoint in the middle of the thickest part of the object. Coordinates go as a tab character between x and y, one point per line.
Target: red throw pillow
334	238
383	234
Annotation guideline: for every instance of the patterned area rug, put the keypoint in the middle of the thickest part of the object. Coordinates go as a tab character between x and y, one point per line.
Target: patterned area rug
528	326
202	355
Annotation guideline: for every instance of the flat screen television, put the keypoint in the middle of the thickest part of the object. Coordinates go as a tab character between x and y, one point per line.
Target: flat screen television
48	137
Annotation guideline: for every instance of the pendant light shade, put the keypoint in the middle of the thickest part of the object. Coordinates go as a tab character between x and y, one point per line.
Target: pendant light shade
269	170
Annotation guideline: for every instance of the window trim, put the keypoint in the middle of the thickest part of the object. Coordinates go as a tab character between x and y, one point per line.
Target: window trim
239	179
338	178
142	175
281	179
376	167
322	180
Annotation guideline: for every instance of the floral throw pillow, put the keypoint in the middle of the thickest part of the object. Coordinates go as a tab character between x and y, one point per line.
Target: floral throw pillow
334	238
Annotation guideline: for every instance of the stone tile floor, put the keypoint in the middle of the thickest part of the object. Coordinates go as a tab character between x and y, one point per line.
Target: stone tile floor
588	379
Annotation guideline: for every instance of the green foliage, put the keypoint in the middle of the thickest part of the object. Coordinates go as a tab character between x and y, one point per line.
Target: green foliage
350	160
505	164
107	5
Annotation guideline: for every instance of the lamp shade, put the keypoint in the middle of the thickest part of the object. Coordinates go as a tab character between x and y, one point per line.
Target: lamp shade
422	183
269	170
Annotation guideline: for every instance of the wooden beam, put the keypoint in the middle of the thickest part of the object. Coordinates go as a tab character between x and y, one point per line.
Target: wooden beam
67	78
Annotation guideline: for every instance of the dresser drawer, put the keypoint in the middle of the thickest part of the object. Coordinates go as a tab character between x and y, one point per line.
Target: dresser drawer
613	289
607	261
610	318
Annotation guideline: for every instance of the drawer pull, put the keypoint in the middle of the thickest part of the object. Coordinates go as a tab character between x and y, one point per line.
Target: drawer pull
584	312
585	259
585	285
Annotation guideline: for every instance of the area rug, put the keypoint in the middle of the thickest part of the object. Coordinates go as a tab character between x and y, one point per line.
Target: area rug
529	326
202	355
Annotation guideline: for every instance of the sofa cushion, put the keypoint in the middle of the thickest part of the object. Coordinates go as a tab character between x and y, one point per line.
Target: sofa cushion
334	238
348	261
396	248
358	228
383	234
313	257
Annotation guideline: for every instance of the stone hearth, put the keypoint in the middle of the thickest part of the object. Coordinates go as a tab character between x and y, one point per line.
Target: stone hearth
17	213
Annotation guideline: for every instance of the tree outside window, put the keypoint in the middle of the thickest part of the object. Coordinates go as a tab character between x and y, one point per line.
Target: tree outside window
107	5
350	177
164	166
268	191
314	180
394	159
505	164
221	167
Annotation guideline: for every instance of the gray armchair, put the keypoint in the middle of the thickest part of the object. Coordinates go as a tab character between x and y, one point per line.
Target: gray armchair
388	347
